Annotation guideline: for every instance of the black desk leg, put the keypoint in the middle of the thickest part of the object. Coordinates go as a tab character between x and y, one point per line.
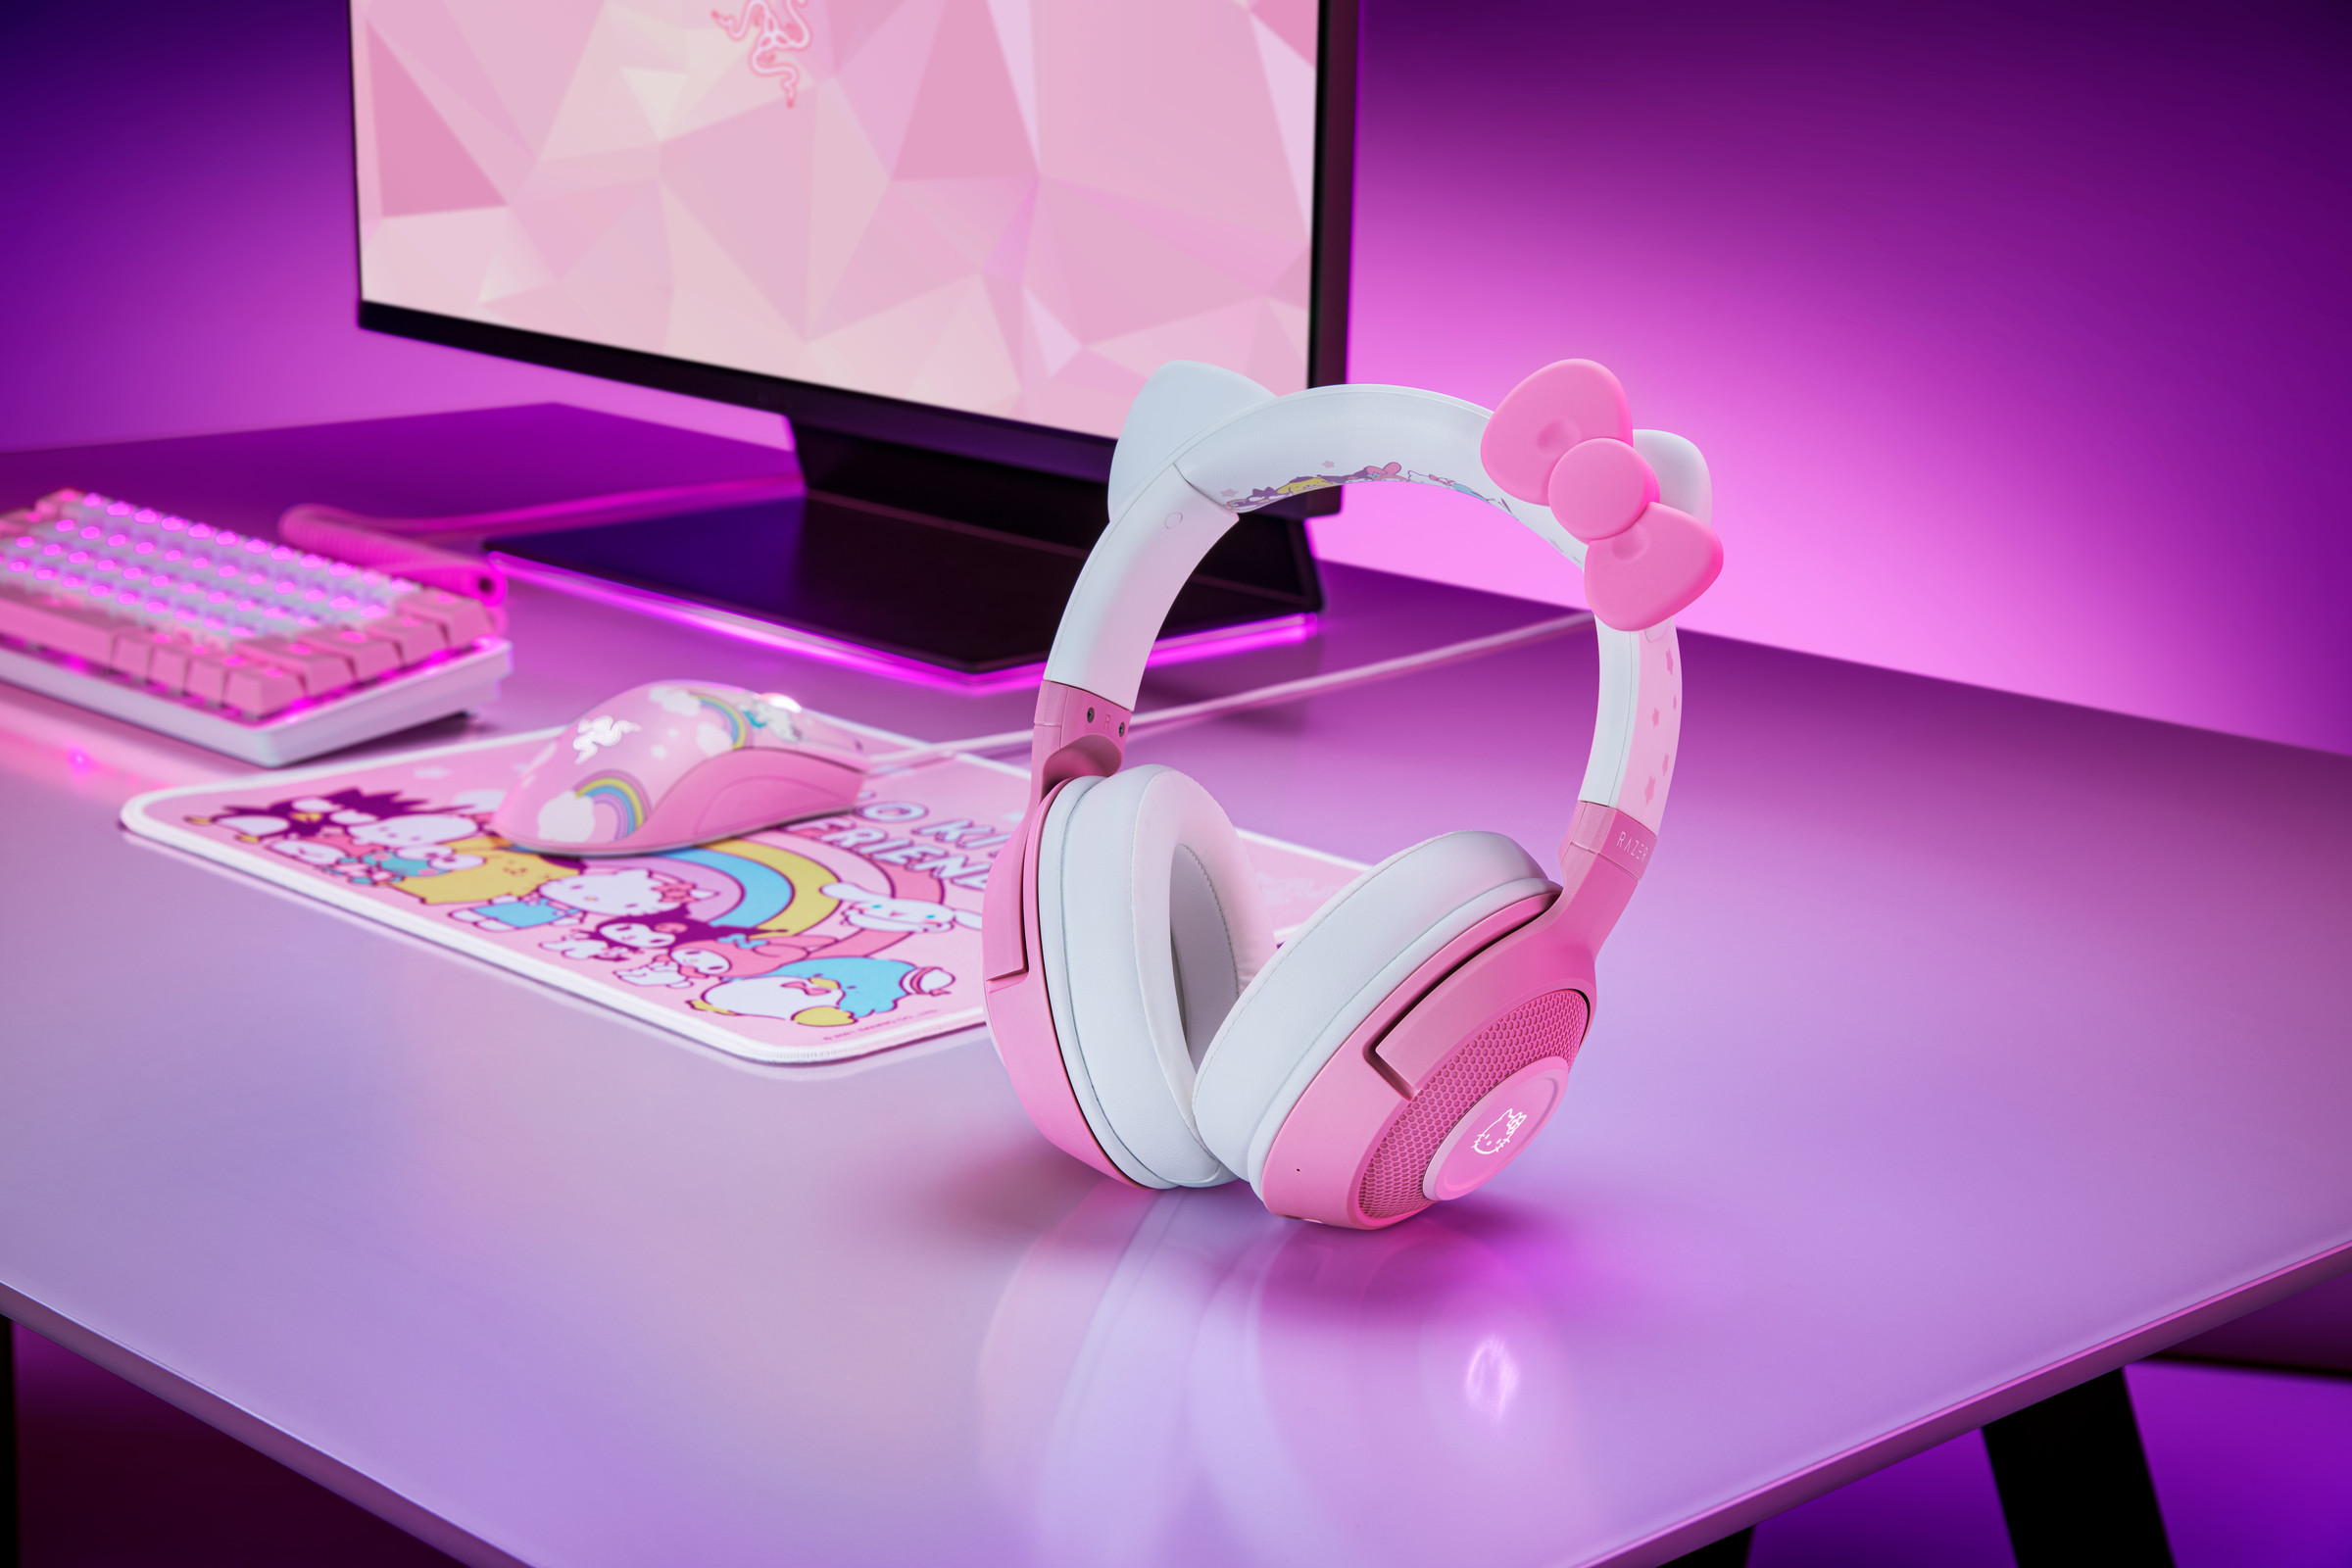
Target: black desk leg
11	1535
1729	1552
2074	1481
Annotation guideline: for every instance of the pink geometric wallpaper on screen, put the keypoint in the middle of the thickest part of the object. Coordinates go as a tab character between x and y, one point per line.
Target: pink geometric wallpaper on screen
1013	207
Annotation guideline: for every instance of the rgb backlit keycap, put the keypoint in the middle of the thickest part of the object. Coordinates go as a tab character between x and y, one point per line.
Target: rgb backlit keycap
216	636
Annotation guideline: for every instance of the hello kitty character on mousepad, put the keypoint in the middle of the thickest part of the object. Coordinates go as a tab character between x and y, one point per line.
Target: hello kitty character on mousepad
814	942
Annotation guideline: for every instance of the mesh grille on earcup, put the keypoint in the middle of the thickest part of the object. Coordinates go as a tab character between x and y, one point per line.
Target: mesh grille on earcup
1551	1025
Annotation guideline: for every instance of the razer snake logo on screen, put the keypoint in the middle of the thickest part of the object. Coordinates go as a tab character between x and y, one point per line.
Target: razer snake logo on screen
777	31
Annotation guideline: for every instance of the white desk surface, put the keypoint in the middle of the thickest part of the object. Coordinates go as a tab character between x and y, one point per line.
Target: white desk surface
1957	1048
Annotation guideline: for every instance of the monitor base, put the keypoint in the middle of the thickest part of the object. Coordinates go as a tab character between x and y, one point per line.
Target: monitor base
773	633
913	561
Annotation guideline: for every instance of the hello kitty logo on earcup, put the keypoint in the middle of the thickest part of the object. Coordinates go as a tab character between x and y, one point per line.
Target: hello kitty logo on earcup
1317	1007
1563	439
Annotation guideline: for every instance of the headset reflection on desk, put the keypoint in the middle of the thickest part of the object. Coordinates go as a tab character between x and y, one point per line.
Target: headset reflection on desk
1416	1034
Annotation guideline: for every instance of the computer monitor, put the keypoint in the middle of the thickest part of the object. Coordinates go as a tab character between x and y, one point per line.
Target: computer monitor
948	238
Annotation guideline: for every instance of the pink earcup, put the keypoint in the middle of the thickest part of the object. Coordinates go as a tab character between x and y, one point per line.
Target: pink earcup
1564	402
1652	570
1599	487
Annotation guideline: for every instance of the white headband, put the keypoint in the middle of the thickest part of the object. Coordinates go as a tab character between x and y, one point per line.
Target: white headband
1202	445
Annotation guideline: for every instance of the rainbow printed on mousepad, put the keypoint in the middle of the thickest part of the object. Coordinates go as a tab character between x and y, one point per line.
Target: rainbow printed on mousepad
814	942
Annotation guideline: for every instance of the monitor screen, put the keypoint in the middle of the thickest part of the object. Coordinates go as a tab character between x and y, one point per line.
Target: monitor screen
1014	208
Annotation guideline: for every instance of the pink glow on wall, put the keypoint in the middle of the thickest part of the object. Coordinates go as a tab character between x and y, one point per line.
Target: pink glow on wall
2015	340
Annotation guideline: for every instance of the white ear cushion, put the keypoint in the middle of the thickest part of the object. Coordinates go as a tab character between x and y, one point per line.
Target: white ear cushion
1330	976
1159	924
1054	955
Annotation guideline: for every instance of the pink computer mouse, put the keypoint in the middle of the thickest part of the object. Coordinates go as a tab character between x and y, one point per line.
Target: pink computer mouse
676	763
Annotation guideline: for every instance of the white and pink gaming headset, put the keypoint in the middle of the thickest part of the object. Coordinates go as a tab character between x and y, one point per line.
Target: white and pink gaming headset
1411	1039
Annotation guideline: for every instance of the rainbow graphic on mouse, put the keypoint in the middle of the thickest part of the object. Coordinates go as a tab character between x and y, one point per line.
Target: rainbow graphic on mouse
673	763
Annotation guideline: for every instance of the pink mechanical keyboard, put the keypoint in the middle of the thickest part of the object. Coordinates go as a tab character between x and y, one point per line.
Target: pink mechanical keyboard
248	647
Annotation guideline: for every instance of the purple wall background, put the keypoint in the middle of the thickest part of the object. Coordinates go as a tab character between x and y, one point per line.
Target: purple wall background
2016	335
177	184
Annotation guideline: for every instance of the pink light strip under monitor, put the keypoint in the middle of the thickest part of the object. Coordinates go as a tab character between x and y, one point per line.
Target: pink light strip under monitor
1183	649
1289	691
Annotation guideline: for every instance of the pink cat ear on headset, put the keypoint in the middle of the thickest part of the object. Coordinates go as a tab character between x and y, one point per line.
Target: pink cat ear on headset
1564	402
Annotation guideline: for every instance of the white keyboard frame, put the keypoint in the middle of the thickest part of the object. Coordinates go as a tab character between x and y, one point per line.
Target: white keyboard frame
395	702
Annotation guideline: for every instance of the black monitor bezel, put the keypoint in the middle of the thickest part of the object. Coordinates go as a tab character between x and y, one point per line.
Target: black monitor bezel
1076	454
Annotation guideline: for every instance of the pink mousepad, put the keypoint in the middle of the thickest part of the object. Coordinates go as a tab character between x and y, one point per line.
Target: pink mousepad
816	941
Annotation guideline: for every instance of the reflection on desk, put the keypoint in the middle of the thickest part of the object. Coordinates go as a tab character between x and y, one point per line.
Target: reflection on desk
1155	1352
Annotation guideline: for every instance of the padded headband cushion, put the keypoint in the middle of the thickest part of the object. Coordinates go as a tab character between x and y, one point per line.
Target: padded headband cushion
1161	926
1341	965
